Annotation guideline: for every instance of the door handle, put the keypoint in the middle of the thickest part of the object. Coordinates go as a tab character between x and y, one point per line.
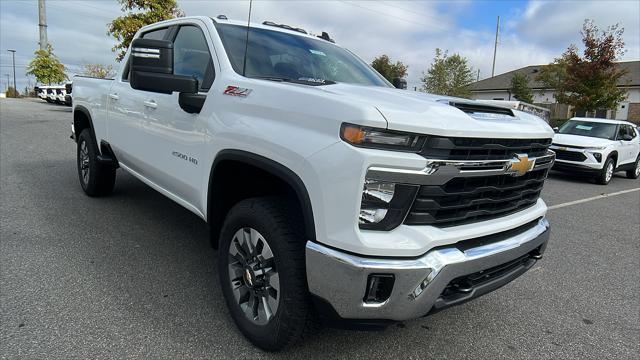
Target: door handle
114	96
150	104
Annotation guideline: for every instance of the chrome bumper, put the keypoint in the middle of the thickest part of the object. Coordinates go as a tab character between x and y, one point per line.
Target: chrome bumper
340	279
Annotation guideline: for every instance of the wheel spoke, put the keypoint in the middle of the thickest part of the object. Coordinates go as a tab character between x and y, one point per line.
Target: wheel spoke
266	308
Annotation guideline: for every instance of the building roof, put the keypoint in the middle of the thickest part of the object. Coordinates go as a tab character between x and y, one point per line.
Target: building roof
503	81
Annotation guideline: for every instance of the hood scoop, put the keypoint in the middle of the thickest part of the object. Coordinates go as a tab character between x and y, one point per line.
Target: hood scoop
482	111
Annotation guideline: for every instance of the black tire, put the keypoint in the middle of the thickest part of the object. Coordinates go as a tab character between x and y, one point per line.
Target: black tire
635	172
274	219
100	178
604	176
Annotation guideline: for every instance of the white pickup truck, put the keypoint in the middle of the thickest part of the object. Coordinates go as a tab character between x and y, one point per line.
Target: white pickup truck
330	194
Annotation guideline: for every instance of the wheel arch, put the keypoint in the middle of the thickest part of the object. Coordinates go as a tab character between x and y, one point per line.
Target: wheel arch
216	211
82	120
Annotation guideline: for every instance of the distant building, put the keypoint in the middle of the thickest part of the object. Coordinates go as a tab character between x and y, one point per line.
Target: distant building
498	88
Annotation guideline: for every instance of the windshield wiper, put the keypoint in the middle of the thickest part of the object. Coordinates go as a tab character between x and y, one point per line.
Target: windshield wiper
303	81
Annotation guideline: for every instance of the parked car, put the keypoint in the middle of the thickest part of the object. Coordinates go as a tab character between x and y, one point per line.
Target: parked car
329	193
599	147
60	95
67	97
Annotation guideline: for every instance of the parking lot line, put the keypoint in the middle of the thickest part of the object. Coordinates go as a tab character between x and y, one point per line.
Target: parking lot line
601	196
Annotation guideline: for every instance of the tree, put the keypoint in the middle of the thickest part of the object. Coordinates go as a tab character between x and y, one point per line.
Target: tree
46	67
140	13
389	70
448	75
12	93
98	71
589	82
520	88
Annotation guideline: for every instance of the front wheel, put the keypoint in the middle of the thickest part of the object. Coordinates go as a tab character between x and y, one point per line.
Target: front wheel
261	264
635	172
606	174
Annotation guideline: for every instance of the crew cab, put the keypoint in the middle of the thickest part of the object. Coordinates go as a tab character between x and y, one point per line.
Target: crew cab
330	195
598	147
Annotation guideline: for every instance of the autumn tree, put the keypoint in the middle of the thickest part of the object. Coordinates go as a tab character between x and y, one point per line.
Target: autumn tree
139	14
46	67
520	88
389	69
98	71
589	82
448	75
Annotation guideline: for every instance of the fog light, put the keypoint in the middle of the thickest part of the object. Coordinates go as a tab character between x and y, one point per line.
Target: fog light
379	287
423	285
598	156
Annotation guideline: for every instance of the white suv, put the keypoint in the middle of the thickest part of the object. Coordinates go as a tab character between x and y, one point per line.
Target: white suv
597	146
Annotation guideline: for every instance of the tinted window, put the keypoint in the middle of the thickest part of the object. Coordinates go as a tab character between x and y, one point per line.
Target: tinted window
154	34
276	54
191	56
588	128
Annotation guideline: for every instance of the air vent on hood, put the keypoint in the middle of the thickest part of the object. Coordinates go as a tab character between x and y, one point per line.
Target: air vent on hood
471	108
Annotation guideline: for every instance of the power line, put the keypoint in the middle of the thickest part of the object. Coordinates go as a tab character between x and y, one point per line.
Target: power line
385	14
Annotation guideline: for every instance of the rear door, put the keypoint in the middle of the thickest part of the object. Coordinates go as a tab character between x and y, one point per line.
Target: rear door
176	138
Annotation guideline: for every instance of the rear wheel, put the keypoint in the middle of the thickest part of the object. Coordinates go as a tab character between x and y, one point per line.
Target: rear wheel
261	265
635	172
96	179
606	174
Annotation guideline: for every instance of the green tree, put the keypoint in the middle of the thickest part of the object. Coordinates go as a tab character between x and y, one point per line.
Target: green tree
448	75
388	69
98	71
520	88
589	82
139	14
46	67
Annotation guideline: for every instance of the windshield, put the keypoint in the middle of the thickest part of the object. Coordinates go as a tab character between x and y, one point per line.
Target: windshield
281	56
588	128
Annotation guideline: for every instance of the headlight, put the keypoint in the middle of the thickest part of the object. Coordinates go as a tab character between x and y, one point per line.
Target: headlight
380	138
384	204
595	148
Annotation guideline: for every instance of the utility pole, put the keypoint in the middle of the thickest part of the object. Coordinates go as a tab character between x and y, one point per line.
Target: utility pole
478	76
495	48
42	23
7	82
13	55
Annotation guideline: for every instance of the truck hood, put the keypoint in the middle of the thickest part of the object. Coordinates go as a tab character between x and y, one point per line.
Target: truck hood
424	113
581	141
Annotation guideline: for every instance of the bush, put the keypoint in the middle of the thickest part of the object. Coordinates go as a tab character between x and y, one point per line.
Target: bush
12	93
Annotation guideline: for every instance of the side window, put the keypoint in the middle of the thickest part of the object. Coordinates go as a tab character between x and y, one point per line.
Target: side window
191	56
154	34
622	130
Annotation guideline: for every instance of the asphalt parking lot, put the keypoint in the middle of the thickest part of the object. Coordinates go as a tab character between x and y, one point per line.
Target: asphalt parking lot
133	276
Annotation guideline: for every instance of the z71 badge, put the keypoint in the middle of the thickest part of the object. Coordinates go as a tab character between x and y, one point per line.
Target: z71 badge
237	91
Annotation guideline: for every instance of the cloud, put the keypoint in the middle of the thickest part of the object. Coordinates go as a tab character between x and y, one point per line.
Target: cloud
531	33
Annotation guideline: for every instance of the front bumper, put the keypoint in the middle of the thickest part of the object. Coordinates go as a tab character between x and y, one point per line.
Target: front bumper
340	279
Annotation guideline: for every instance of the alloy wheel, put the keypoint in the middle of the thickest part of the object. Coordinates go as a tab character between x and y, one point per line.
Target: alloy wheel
253	275
84	162
609	172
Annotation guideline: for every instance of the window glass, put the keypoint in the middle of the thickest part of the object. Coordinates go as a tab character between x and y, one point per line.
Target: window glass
154	34
588	128
622	131
191	56
281	55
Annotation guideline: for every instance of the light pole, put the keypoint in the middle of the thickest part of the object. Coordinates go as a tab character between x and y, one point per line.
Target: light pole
7	82
13	55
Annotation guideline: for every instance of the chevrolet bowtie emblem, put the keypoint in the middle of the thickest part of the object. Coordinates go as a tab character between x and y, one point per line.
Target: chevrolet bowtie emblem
520	165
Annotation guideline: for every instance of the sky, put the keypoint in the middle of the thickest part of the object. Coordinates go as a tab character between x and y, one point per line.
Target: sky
531	32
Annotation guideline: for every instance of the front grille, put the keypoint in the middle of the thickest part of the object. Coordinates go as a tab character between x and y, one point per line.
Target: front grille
452	148
569	155
465	200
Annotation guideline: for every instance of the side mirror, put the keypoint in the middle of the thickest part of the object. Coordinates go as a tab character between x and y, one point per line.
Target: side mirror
627	137
399	83
152	68
556	129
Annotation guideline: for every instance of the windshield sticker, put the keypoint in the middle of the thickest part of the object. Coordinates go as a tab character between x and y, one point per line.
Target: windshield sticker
317	52
584	127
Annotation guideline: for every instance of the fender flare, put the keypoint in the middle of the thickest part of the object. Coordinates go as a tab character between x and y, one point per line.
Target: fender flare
278	170
87	113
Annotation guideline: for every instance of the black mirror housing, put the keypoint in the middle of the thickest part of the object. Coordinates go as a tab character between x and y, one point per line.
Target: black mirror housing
152	68
556	129
627	137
